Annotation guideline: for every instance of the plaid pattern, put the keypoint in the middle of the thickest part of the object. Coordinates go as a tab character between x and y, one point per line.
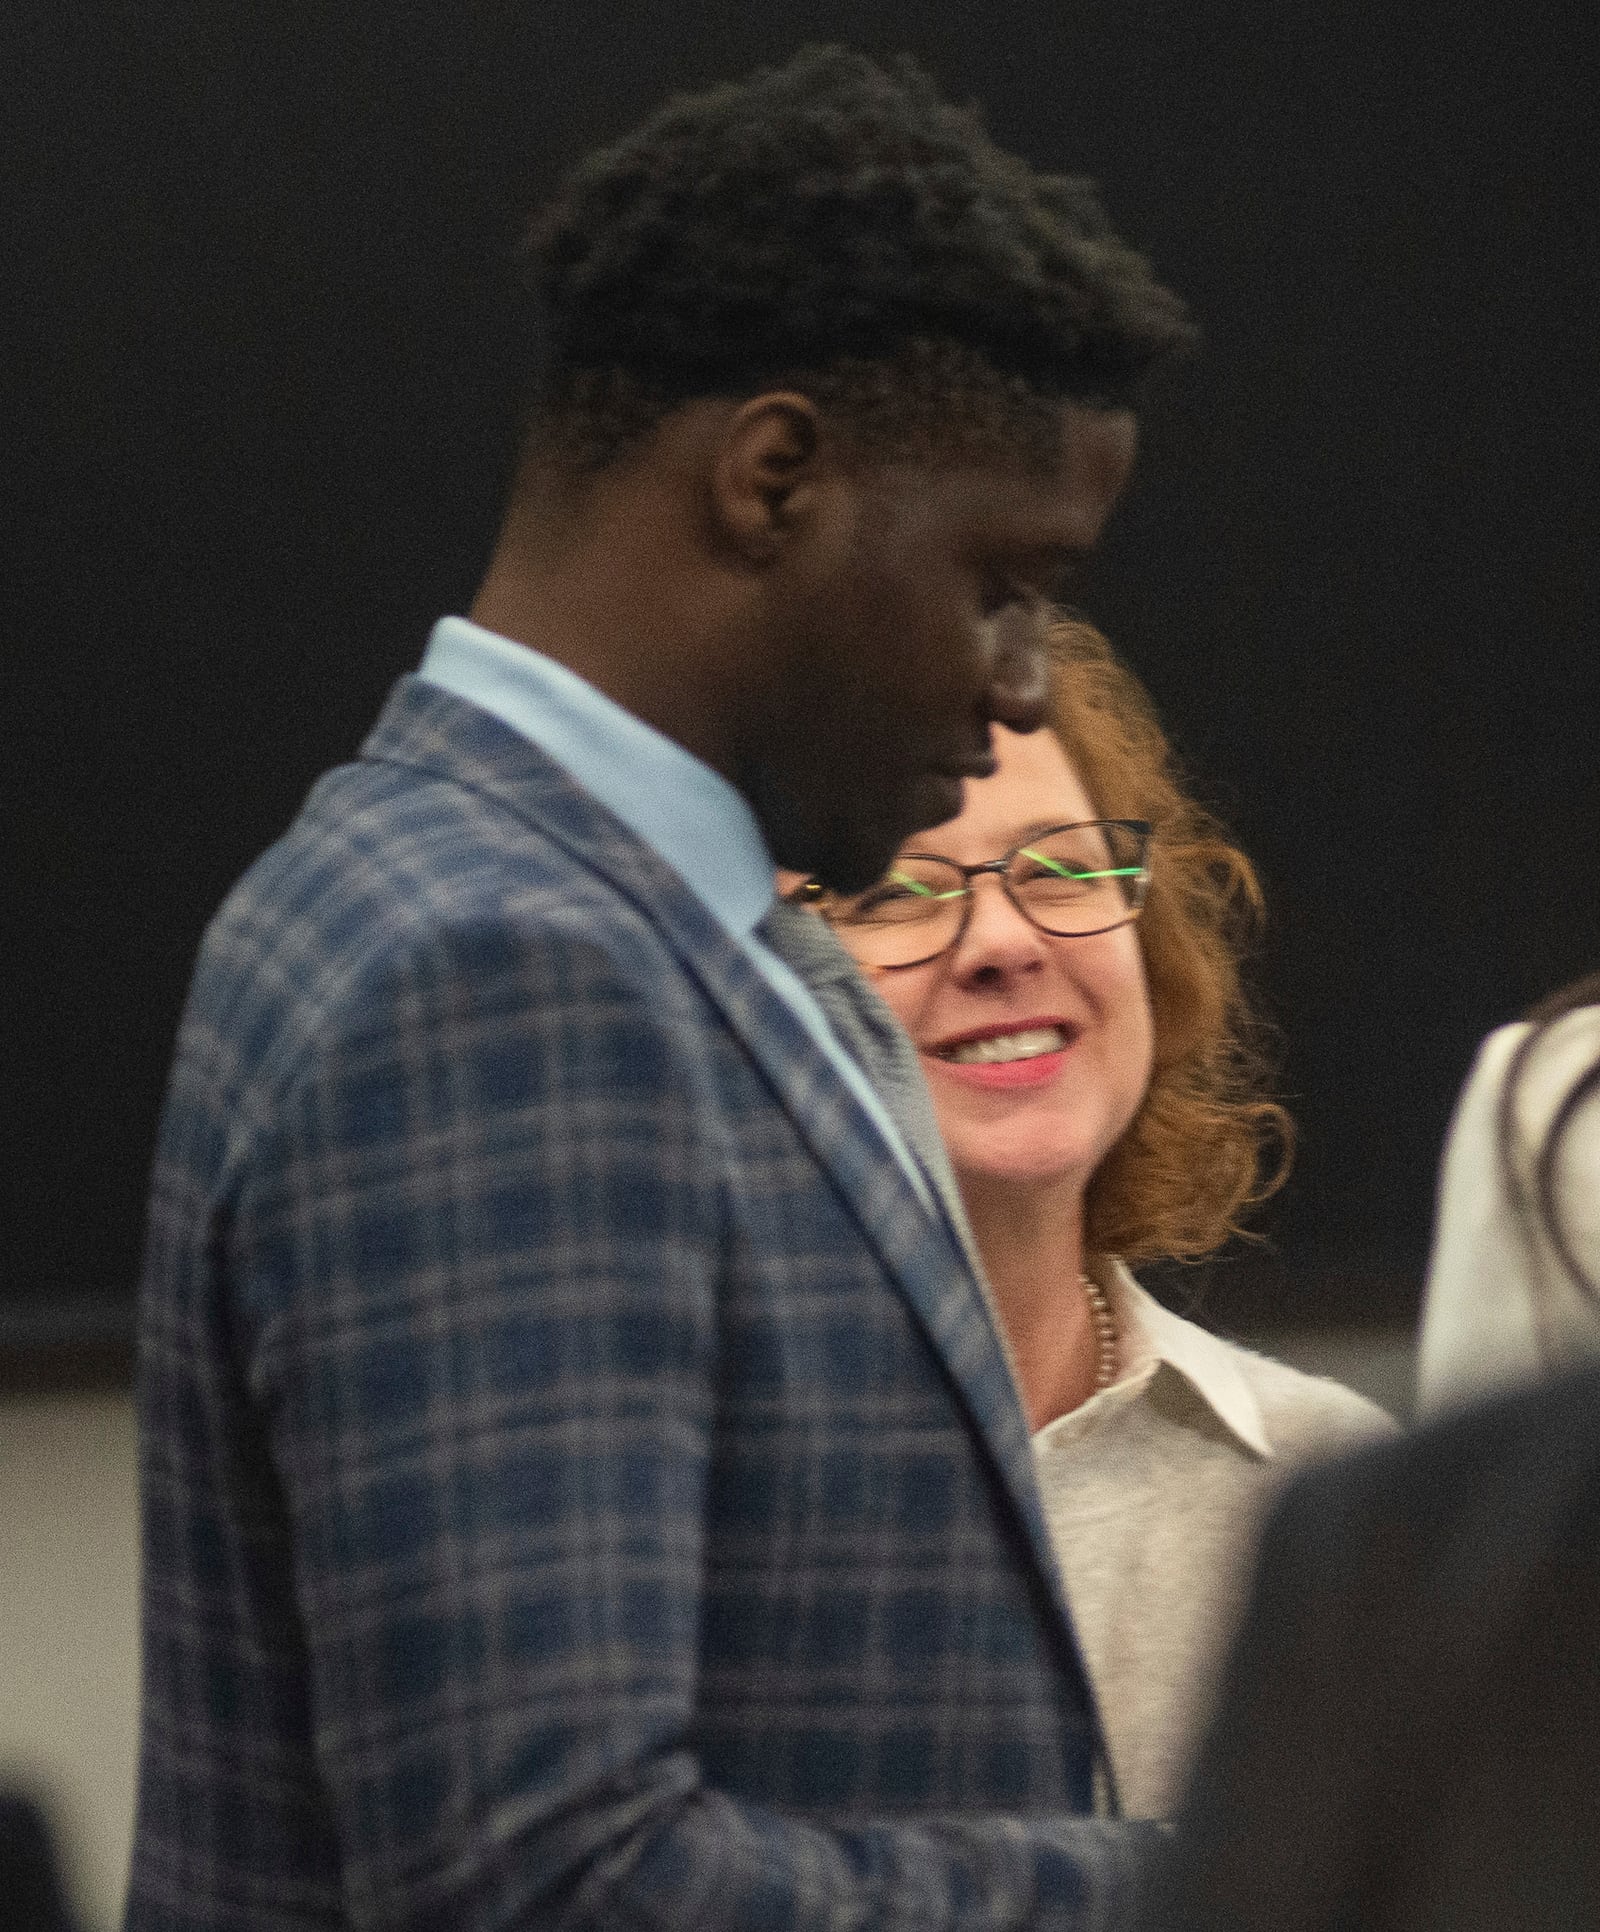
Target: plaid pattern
582	1487
864	1025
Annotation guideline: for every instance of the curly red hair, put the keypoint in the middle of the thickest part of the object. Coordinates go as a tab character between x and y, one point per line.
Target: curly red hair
1207	1141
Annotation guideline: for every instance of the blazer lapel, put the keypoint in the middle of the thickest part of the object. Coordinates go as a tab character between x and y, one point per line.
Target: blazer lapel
925	1256
922	1253
867	1030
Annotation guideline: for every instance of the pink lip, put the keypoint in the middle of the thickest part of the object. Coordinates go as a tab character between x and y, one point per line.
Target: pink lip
1036	1072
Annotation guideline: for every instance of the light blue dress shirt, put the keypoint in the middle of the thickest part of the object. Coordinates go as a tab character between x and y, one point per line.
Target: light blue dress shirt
683	810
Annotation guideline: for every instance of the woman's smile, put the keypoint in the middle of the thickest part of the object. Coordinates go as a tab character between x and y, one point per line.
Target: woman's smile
1020	1053
1036	1047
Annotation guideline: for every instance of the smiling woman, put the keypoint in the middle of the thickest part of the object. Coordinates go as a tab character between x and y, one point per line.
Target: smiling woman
1065	956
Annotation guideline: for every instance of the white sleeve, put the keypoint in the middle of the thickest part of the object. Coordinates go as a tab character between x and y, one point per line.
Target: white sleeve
1499	1309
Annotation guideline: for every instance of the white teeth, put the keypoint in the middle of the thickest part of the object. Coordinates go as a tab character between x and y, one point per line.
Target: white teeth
1008	1046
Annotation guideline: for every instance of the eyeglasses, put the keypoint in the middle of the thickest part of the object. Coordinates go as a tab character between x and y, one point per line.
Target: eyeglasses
1072	881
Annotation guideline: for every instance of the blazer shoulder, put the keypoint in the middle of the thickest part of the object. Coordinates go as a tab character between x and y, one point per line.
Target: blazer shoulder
392	877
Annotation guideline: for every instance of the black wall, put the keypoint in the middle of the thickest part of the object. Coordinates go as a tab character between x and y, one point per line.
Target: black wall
262	346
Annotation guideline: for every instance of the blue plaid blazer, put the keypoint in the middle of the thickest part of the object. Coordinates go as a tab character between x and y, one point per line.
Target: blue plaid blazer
582	1486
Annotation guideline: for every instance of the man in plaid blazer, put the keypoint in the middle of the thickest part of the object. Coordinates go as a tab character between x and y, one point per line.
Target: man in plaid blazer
583	1483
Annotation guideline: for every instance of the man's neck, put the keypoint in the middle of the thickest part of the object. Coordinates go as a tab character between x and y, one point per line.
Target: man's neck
609	595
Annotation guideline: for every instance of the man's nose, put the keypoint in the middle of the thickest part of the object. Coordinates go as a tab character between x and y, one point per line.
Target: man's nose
1019	684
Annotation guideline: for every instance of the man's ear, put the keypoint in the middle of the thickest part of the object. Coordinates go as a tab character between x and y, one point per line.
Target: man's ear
765	473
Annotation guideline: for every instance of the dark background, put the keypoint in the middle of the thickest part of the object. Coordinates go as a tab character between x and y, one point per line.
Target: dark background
262	345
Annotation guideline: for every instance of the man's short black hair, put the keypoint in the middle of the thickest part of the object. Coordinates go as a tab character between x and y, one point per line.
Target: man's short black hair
835	226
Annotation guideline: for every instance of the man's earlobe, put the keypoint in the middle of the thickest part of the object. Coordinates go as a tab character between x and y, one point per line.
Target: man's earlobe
765	472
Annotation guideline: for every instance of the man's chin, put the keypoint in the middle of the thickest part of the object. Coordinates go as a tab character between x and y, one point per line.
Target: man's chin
936	798
846	859
862	852
848	854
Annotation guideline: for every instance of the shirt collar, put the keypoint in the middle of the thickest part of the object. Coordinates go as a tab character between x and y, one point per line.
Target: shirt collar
679	806
1152	1335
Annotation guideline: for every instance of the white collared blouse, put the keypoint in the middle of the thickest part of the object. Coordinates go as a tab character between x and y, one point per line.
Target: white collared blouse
1155	1490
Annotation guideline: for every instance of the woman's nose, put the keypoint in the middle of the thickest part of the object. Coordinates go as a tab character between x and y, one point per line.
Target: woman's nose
998	938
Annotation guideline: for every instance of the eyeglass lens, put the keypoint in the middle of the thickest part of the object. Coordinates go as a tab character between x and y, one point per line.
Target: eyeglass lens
1078	880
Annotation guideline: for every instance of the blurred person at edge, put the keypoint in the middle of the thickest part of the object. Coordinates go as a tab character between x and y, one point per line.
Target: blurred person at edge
1090	1057
1511	1296
1409	1734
